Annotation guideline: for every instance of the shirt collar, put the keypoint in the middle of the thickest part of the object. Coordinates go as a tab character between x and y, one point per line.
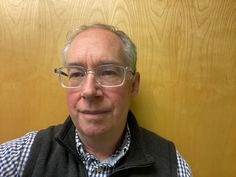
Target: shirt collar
110	161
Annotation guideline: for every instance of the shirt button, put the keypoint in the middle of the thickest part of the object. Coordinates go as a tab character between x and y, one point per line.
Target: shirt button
99	169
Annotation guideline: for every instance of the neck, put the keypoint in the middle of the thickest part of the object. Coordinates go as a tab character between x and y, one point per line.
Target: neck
101	147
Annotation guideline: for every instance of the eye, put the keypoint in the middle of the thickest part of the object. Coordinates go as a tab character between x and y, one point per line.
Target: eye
76	74
109	72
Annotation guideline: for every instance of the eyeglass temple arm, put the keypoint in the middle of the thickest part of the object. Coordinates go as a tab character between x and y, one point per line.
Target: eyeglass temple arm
58	71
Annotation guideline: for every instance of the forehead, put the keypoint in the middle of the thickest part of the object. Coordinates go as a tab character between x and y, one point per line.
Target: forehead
95	46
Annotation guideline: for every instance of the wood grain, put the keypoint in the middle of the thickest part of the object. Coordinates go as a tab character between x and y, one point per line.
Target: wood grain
186	57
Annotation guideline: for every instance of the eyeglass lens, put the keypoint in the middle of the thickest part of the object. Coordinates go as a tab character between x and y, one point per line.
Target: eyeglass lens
105	75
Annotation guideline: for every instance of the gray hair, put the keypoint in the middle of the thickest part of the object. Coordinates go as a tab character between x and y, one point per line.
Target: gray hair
129	48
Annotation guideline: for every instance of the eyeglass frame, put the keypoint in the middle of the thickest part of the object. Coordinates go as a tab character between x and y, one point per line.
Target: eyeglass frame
59	72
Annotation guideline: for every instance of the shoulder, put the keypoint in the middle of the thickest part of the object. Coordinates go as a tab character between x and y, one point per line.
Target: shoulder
183	168
48	136
150	141
14	153
56	130
149	135
154	141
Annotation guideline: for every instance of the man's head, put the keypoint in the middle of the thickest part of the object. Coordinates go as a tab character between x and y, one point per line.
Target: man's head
99	104
128	50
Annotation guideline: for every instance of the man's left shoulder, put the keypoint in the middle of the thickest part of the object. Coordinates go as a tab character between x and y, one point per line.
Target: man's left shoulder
152	137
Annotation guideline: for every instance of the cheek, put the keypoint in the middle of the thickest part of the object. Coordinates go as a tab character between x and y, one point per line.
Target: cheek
121	99
72	99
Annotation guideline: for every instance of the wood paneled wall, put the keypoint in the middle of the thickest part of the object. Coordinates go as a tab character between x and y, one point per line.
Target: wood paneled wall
186	57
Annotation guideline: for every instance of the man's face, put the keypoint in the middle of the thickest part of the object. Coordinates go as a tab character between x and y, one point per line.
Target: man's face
97	110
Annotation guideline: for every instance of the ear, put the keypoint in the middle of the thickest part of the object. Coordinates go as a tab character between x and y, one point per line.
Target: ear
135	84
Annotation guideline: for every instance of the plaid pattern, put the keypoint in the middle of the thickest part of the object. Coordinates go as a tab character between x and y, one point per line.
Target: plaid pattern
14	155
183	170
103	168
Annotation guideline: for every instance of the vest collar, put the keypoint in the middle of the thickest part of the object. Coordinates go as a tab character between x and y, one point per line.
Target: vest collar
136	155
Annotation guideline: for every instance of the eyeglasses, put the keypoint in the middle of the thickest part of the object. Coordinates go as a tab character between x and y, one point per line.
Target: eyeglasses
109	75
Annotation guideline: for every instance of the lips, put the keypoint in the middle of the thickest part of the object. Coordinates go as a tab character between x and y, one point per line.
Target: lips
93	112
92	115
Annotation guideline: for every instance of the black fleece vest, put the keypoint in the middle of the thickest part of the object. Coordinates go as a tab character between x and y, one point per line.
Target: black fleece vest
53	154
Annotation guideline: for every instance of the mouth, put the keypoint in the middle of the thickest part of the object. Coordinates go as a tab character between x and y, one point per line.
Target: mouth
94	116
93	112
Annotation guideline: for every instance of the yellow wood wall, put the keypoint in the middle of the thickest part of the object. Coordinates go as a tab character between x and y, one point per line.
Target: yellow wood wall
186	56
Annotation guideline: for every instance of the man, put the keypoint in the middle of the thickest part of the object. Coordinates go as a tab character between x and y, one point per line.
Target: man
101	136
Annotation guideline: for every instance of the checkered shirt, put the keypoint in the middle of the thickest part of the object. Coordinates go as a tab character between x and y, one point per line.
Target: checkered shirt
14	155
103	168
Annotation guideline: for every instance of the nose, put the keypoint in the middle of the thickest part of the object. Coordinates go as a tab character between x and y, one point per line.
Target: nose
90	88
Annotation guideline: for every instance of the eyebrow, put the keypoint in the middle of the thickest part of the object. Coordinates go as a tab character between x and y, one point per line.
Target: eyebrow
105	62
72	64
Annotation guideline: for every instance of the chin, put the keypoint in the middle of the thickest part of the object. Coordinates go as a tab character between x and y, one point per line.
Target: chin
94	129
95	132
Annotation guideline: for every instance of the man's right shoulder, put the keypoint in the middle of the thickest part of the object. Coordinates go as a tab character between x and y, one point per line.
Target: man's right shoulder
14	154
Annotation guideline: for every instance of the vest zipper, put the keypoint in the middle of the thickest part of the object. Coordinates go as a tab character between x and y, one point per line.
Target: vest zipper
118	170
